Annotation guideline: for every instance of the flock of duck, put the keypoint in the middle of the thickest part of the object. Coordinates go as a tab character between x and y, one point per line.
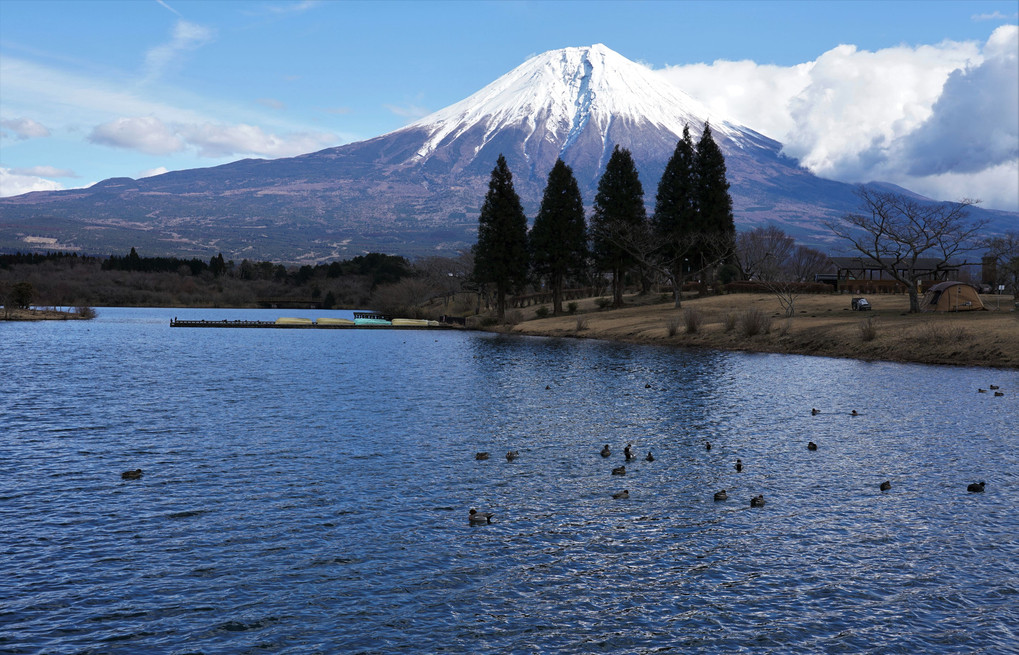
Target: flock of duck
479	518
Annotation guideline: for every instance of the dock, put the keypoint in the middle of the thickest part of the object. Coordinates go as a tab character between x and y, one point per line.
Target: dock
361	322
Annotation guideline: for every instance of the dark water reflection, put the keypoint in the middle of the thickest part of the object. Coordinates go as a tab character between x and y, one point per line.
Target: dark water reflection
306	491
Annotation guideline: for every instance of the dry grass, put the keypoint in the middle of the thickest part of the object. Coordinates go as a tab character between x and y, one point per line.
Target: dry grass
823	325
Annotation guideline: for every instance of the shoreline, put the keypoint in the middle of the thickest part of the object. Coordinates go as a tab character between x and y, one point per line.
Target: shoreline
822	325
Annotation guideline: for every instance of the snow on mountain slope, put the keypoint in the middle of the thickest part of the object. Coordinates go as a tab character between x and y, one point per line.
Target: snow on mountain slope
557	96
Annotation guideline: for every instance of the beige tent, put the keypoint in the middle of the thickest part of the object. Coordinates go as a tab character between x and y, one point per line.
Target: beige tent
951	297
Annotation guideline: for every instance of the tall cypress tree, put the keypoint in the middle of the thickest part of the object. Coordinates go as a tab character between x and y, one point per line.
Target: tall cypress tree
559	236
714	204
618	213
500	255
675	221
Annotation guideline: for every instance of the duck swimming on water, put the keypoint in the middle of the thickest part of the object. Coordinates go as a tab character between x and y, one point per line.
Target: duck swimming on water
131	475
739	465
628	452
650	457
620	495
619	470
758	501
476	518
606	451
721	495
976	487
811	445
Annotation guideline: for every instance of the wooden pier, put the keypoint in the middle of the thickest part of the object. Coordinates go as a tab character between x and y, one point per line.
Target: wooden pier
180	323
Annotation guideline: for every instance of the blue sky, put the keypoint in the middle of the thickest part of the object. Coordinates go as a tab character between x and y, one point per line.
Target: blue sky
92	90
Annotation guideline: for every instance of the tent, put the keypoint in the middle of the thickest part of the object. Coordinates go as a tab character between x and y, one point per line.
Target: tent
951	297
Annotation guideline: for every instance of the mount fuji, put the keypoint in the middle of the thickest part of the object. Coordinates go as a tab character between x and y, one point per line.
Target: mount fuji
418	190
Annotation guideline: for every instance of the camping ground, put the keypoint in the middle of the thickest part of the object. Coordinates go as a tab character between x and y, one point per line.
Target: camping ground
821	325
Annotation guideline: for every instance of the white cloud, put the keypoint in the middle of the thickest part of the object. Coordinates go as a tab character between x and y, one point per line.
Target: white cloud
185	37
147	134
150	135
24	128
941	119
151	172
996	15
408	111
13	184
44	171
214	140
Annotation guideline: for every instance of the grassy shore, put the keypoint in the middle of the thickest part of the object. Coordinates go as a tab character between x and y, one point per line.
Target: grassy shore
822	325
41	315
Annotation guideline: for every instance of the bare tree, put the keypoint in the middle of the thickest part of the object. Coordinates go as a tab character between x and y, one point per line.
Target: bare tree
1005	251
672	257
760	248
895	231
788	278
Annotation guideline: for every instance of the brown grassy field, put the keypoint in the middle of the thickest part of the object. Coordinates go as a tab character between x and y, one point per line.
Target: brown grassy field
822	325
38	315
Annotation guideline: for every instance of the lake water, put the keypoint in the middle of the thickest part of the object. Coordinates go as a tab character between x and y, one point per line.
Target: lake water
306	491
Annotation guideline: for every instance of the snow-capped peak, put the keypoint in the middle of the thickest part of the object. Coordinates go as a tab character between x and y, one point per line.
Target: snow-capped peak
559	94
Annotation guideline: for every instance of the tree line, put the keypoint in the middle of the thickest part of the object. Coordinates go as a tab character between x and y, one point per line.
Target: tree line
690	233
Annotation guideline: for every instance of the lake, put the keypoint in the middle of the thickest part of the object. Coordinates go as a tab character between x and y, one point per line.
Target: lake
307	491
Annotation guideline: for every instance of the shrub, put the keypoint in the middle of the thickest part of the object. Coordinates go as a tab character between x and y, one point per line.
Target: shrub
936	332
868	329
729	322
542	311
603	302
86	312
581	324
753	322
693	319
572	308
513	317
672	325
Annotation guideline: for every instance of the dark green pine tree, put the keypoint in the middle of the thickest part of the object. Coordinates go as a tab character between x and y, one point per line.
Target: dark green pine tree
558	239
619	214
714	204
500	255
675	221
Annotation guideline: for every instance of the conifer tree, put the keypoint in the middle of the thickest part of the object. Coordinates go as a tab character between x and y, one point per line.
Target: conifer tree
714	204
618	213
500	255
675	221
558	238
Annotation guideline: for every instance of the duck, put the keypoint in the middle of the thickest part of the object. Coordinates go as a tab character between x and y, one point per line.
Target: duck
628	452
814	411
619	470
481	456
512	455
854	413
721	495
548	387
999	393
137	474
994	386
886	485
477	518
739	465
650	457
981	390
976	487
606	451
620	495
758	501
707	445
647	386
811	445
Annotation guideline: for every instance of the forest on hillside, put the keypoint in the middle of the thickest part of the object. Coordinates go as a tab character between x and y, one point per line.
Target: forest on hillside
374	280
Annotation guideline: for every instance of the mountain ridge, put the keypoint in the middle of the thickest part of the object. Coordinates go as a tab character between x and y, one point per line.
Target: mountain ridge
418	190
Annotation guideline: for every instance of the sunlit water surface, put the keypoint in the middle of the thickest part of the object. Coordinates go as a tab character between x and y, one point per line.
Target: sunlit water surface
307	491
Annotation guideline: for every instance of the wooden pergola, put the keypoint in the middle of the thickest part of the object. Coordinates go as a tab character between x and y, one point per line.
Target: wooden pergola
866	275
